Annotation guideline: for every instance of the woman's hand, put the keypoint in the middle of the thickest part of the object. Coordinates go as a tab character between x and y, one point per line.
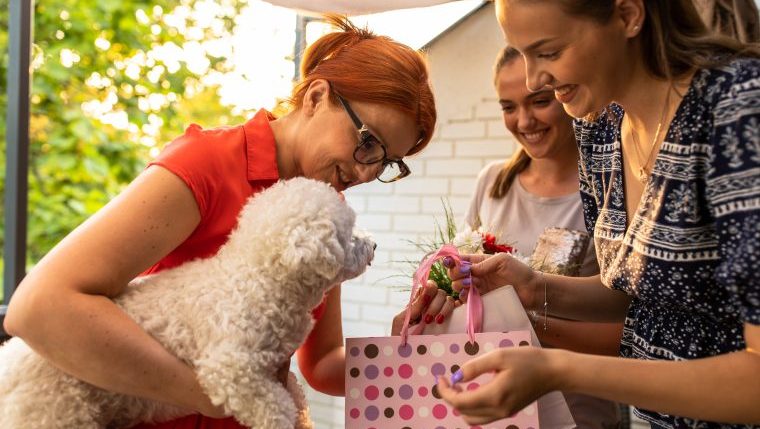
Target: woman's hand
489	272
431	304
523	374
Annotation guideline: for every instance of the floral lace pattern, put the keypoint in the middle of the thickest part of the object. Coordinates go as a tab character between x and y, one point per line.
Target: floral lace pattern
690	254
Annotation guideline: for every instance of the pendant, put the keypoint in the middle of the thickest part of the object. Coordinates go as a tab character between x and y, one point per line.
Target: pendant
643	175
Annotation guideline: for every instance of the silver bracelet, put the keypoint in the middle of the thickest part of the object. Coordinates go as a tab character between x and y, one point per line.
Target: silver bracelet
546	303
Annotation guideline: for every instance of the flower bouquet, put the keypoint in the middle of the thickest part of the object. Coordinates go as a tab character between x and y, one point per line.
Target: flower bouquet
467	241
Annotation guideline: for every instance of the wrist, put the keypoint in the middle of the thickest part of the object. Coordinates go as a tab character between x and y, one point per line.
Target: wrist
561	369
537	285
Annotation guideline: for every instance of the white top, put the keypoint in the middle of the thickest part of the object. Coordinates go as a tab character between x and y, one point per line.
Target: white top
519	218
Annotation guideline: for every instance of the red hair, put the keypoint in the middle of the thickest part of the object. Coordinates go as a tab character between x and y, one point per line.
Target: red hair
363	66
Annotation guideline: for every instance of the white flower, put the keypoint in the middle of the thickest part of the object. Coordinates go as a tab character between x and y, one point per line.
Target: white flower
468	241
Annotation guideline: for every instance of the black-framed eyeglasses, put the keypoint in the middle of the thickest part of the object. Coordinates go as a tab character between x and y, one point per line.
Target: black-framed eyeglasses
370	150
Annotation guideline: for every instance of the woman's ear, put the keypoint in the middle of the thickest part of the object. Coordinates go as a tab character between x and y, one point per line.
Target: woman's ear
316	94
631	13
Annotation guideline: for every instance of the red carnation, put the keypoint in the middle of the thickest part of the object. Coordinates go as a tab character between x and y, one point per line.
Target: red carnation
490	247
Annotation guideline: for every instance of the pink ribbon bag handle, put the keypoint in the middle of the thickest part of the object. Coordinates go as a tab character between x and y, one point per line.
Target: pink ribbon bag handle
474	301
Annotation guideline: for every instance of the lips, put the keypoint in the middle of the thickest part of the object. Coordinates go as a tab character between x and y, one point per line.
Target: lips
534	137
565	93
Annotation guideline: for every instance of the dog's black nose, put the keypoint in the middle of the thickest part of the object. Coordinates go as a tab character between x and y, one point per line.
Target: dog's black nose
374	246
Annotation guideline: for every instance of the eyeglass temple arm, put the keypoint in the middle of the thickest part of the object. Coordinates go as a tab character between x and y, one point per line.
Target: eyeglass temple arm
357	122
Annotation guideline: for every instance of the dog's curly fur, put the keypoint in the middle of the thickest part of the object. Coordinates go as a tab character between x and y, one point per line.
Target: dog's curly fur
235	318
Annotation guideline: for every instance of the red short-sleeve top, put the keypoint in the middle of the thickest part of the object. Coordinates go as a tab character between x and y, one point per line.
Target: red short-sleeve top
222	167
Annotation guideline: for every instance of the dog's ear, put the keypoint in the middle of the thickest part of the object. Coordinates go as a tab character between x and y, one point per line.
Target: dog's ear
314	248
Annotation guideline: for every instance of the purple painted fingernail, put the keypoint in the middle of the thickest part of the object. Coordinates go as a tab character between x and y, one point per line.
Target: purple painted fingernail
448	262
464	268
457	377
466	281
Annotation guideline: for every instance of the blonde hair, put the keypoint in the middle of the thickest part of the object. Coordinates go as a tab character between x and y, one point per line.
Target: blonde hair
520	159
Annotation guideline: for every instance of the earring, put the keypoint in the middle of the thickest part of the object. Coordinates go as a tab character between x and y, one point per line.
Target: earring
636	28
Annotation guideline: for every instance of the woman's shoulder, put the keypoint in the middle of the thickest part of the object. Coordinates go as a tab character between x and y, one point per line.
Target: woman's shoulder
487	176
729	81
491	170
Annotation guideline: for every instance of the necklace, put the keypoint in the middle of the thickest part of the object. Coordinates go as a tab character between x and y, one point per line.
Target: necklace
643	171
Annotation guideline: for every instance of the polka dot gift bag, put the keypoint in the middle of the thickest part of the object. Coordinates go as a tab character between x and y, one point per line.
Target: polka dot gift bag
391	381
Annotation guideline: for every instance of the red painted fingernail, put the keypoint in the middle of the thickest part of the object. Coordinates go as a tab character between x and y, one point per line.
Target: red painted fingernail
439	318
428	318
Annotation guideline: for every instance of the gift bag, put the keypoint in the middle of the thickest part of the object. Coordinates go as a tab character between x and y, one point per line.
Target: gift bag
391	381
502	311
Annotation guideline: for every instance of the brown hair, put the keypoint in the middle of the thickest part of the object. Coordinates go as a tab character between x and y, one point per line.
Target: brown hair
520	159
363	66
674	38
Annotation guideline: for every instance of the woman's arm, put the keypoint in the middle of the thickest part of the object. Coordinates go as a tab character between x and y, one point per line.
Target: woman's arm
576	298
581	337
63	310
723	388
322	357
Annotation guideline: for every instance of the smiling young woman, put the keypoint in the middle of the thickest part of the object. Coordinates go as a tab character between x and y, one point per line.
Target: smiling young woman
678	250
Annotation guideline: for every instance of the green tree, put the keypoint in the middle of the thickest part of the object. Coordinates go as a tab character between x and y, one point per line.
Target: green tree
109	85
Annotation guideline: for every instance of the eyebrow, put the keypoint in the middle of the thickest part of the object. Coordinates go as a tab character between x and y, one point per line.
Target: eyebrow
537	44
530	96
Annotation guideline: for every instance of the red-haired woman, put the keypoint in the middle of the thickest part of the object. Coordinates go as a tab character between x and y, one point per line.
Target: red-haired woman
364	103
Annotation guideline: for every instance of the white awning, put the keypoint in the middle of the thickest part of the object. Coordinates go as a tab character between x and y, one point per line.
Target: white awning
353	7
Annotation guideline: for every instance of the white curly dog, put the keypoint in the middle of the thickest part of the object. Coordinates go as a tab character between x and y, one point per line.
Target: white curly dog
235	318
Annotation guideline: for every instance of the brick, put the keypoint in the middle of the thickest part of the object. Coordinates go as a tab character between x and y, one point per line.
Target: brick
363	329
454	167
382	314
375	187
463	186
387	241
463	114
351	311
483	148
357	202
393	204
463	130
413	223
436	149
488	109
458	205
423	186
400	298
495	128
501	160
374	222
401	258
381	257
361	293
380	278
416	166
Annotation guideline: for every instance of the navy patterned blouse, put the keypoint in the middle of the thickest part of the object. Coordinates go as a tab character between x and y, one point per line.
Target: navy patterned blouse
690	258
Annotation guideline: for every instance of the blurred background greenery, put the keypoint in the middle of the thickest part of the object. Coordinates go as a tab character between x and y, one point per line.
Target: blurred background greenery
112	82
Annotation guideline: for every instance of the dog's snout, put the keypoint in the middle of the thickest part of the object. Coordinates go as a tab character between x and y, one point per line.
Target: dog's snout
374	246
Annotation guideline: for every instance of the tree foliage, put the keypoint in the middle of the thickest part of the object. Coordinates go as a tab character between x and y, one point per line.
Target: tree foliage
111	83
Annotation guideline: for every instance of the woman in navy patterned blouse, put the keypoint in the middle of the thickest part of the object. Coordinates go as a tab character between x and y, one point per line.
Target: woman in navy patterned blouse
670	181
